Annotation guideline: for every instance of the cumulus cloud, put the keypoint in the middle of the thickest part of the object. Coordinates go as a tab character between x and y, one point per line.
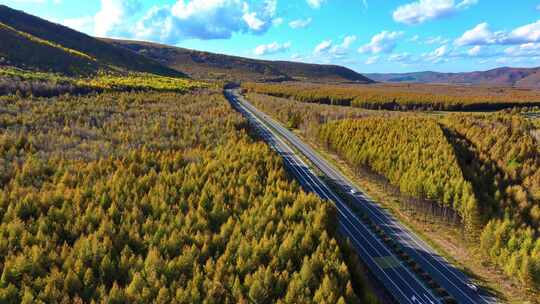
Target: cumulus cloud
384	42
524	34
300	23
109	20
423	10
205	19
343	48
438	55
482	35
315	3
271	48
474	51
524	50
323	46
479	35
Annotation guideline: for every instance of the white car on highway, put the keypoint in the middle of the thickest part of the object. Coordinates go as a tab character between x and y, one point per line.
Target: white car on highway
472	287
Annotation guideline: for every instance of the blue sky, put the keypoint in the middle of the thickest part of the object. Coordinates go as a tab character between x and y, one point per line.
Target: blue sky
365	35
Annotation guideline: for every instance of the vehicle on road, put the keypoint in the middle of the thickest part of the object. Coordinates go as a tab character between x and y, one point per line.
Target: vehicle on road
472	287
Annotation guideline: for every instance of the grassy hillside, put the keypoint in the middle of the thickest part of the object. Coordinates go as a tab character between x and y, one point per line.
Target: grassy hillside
506	76
26	51
34	43
204	65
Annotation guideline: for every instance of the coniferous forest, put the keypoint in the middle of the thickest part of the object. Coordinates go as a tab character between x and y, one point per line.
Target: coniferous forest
481	170
136	170
155	197
403	96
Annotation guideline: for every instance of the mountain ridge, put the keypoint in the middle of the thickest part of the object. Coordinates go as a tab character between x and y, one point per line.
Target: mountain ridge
201	64
503	76
34	43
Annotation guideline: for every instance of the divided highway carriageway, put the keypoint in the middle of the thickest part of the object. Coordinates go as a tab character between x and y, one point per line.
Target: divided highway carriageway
410	270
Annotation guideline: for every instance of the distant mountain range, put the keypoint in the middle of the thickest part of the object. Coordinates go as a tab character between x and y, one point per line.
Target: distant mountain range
205	65
506	76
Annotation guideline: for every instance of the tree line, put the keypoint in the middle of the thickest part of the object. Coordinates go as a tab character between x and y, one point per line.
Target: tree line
388	97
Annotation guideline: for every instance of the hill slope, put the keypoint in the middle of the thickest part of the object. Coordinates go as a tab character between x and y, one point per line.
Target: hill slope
31	42
216	66
506	76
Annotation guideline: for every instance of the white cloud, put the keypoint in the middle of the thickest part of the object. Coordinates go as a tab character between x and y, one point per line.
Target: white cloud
479	35
424	10
403	57
277	21
474	51
323	46
271	48
436	40
251	19
315	3
524	50
384	42
524	34
466	3
270	7
205	19
482	35
300	23
372	60
341	49
109	20
438	55
83	24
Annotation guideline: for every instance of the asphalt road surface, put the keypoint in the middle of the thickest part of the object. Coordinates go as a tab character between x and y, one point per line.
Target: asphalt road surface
402	283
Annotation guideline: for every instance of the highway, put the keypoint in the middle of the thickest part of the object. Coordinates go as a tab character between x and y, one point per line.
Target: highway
402	283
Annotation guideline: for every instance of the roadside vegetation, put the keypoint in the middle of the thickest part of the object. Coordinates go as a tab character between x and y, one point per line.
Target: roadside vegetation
480	172
403	97
155	197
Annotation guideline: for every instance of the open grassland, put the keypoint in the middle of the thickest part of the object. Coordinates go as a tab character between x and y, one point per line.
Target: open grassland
154	197
481	169
13	80
403	96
